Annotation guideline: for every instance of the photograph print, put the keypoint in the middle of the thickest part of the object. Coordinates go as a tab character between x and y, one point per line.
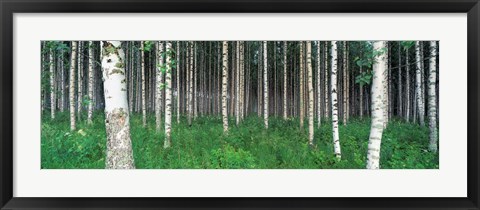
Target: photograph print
260	104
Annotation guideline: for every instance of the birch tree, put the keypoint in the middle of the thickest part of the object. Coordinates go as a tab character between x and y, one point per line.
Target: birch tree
79	79
432	98
90	82
336	137
119	146
224	86
168	96
377	107
319	90
72	85
301	86
177	56
310	93
327	112
52	83
265	84
144	106
158	88
418	88
345	90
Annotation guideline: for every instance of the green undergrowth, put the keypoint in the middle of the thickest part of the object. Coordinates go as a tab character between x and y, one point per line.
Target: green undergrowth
246	146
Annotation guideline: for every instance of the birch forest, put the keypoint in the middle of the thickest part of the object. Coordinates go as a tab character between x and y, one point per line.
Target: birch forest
239	104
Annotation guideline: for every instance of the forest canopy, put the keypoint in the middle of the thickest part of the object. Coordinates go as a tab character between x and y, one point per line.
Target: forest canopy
239	104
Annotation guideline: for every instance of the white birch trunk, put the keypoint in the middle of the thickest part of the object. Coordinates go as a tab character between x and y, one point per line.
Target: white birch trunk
407	92
418	87
344	95
265	84
327	112
158	88
302	46
237	82
52	85
432	98
336	136
177	58
168	97
62	83
190	85
377	108
310	93
79	79
385	86
144	105
319	89
119	146
224	86
72	86
90	82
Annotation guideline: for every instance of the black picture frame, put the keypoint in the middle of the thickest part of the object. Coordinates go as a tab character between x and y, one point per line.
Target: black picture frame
9	7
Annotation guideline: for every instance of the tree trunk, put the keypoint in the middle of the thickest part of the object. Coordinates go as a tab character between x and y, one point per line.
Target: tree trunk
327	112
310	93
265	84
376	130
400	103
432	98
80	79
119	146
385	84
90	81
144	105
407	91
158	88
336	137
302	46
177	59
418	87
224	86
168	96
237	86
52	84
72	86
190	86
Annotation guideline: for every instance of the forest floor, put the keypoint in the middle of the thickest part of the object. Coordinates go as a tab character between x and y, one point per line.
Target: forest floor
248	146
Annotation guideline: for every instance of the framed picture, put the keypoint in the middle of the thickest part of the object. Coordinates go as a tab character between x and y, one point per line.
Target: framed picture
239	105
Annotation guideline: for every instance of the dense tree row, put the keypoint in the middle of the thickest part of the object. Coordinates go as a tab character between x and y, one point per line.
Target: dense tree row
329	81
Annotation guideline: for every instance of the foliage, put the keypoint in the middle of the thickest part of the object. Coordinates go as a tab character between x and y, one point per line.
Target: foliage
204	146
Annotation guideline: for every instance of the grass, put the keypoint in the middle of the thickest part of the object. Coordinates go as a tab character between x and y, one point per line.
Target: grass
248	146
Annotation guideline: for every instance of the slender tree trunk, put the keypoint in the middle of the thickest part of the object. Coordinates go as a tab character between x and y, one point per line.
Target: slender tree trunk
418	88
194	75
400	103
301	86
144	105
432	98
177	59
336	137
237	86
158	88
374	142
119	146
90	81
319	89
265	84
310	93
52	84
327	112
224	86
385	85
72	86
407	92
80	79
168	96
361	97
190	91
